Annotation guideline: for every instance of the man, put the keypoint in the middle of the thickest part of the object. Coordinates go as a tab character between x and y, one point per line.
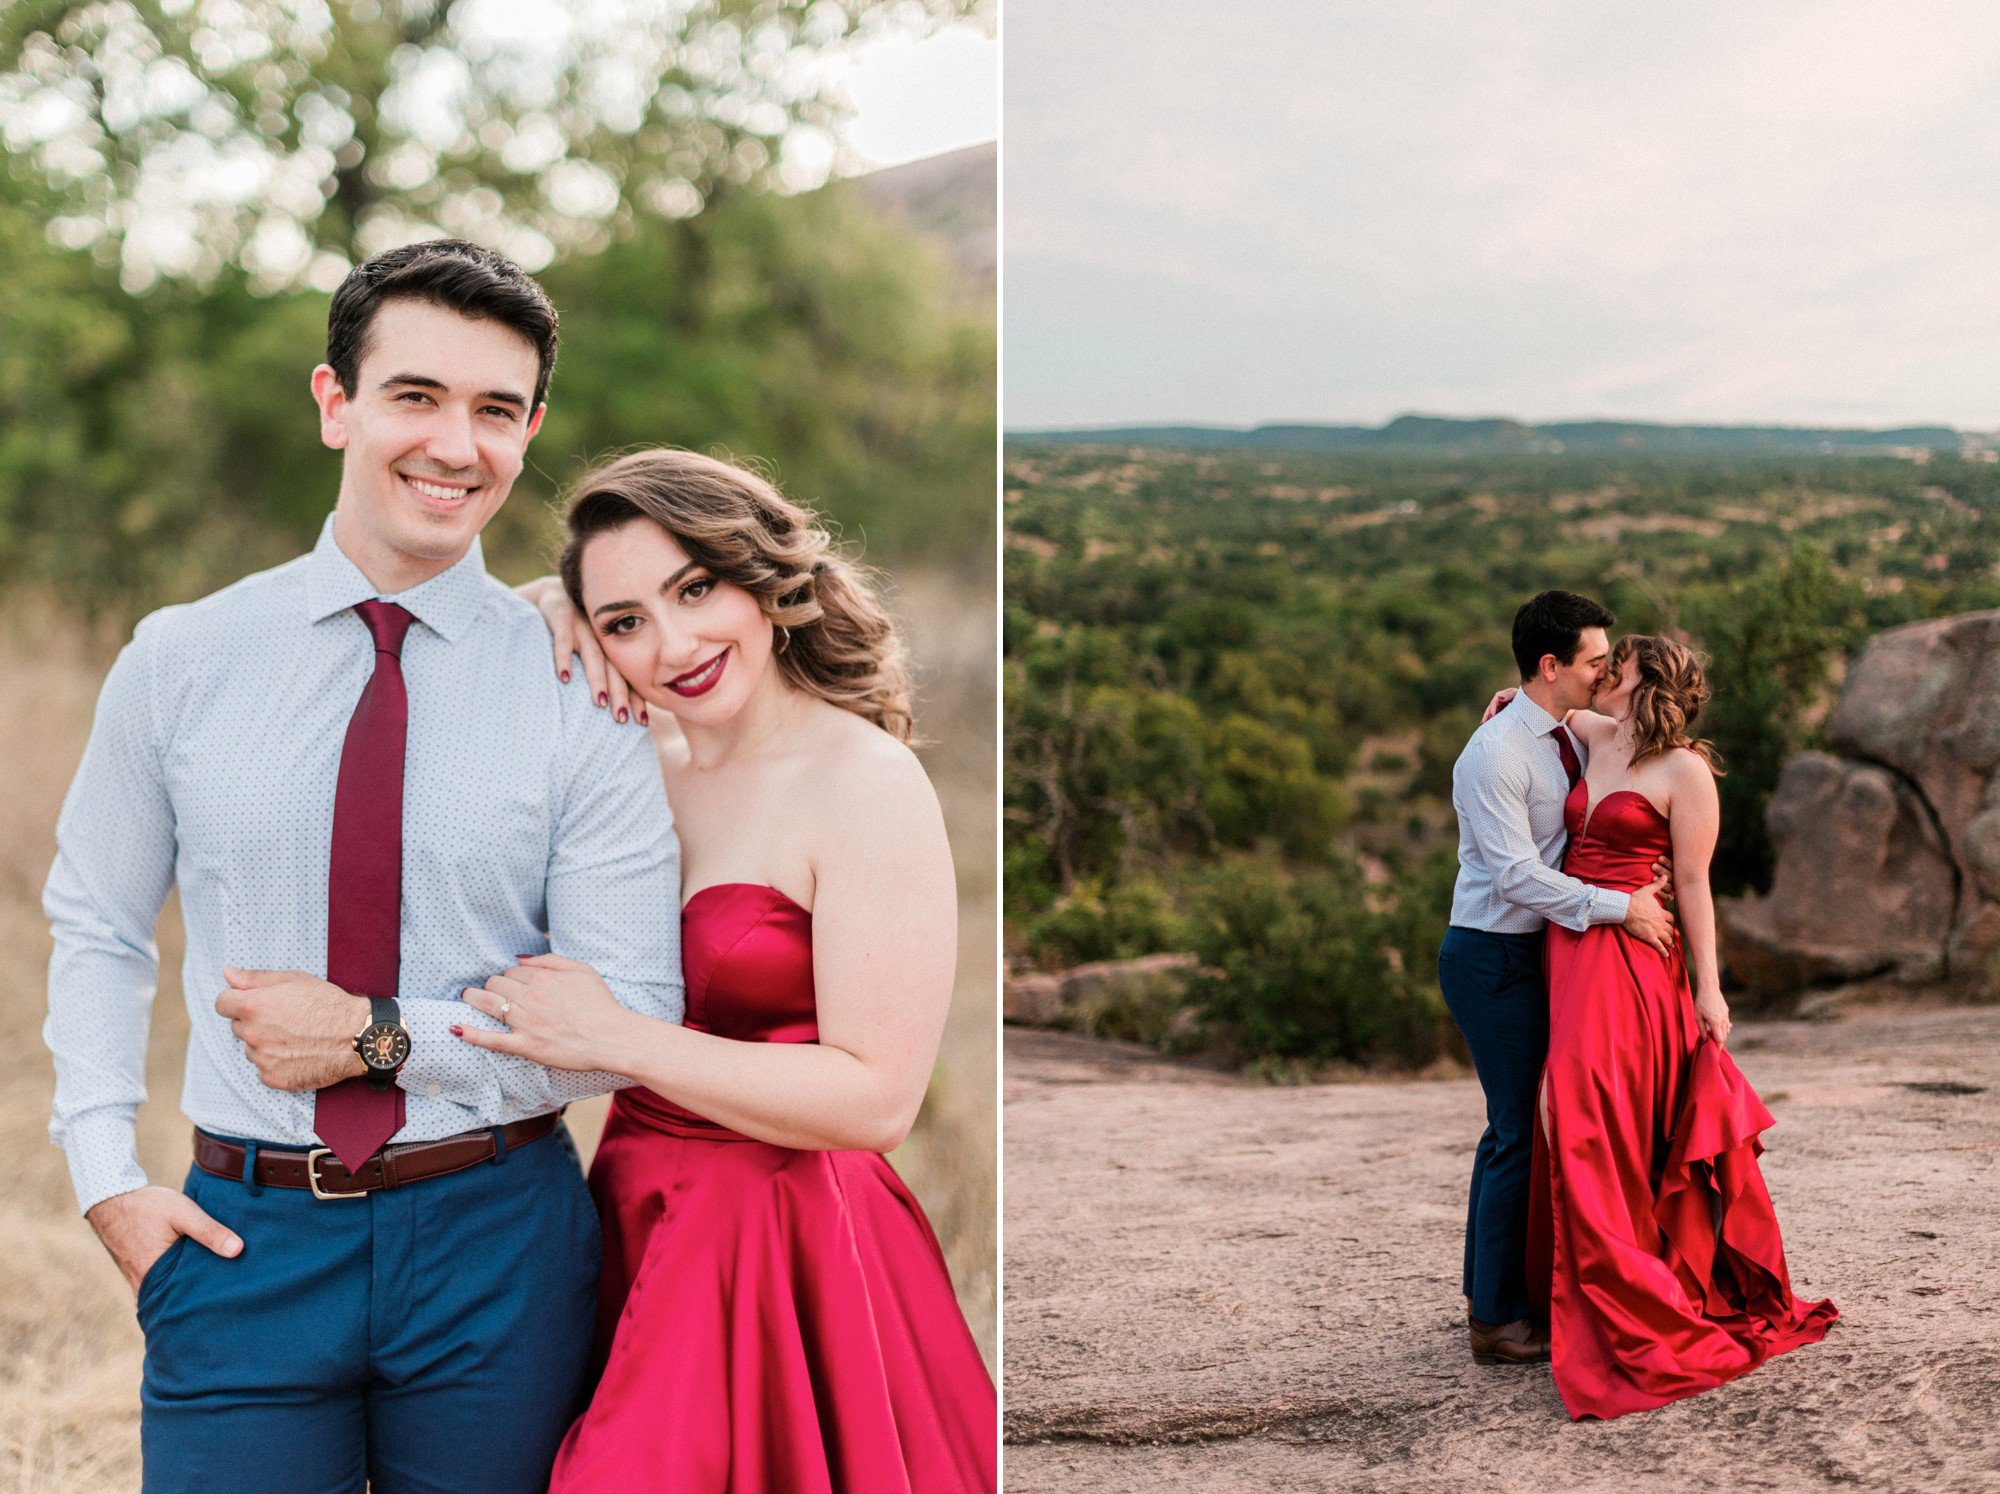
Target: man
359	766
1508	788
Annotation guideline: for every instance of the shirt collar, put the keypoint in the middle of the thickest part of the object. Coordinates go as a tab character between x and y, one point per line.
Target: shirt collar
446	604
1530	715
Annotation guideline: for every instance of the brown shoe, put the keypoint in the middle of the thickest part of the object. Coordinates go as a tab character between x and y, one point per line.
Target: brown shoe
1518	1342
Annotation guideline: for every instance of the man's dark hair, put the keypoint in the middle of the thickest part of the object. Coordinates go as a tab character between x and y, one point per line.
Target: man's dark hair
451	273
1553	623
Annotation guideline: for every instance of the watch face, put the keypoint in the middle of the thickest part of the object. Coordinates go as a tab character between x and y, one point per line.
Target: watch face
384	1046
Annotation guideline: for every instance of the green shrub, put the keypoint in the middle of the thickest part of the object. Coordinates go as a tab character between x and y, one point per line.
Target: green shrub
1131	919
1300	965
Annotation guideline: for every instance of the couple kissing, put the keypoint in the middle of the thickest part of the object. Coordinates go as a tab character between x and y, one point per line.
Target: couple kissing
1618	1225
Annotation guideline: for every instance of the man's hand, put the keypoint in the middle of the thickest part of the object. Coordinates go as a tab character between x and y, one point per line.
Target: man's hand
137	1228
298	1029
1645	919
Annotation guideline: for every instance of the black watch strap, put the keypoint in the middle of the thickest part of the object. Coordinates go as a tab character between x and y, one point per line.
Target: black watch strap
383	1010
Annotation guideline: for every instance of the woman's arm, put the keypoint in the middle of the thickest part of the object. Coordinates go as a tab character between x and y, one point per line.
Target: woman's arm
885	932
570	636
1697	819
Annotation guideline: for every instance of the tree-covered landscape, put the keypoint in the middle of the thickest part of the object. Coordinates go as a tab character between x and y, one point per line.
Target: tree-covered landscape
1236	680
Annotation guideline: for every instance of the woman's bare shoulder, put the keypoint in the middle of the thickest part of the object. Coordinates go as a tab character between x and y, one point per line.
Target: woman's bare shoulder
862	768
1688	775
868	809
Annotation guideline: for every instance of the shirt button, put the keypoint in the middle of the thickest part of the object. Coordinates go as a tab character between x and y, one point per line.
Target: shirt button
508	1111
433	1088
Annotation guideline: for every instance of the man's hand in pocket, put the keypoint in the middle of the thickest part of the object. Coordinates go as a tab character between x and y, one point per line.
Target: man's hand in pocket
137	1228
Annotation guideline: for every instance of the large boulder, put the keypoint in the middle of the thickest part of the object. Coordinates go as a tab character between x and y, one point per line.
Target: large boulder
1863	888
1888	846
1924	701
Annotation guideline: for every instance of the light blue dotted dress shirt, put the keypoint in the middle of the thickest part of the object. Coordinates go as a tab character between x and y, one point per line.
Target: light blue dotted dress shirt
1508	789
531	821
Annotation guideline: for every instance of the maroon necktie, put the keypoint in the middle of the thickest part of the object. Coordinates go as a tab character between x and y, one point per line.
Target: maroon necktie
364	884
1570	765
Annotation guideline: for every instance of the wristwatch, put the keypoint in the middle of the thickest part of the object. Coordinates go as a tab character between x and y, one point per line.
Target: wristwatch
384	1043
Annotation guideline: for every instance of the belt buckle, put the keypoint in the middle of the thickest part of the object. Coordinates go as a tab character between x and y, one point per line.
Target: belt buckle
312	1175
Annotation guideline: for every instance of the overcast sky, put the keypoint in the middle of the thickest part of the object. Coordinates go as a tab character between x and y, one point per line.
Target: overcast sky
922	98
1328	210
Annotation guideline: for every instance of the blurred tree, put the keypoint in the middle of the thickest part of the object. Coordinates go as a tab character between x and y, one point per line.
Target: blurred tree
182	137
152	448
1260	783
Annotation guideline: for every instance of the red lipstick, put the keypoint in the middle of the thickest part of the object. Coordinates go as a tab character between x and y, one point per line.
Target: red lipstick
701	680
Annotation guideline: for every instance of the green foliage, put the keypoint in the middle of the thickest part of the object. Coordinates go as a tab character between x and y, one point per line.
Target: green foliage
154	448
1260	781
1207	651
1122	922
1299	965
1444	737
288	141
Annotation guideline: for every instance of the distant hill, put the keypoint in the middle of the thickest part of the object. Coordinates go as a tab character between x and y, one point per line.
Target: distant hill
1436	432
954	196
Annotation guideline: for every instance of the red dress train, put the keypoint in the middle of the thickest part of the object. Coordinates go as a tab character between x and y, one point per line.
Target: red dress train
1650	1224
769	1319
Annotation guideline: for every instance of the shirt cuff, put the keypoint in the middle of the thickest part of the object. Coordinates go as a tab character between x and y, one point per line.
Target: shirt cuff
102	1147
1608	906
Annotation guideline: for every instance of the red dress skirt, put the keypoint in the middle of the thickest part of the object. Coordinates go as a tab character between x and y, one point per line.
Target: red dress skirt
769	1319
1650	1225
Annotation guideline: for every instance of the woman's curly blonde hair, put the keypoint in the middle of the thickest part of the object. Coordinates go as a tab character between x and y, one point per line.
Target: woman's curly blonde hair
1667	700
839	642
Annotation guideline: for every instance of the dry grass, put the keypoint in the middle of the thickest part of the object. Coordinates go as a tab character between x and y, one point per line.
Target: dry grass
69	1347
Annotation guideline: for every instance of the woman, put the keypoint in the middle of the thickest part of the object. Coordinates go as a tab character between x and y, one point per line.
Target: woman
774	1312
1651	1228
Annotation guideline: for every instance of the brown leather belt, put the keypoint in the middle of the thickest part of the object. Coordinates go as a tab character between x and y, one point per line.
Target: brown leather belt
321	1173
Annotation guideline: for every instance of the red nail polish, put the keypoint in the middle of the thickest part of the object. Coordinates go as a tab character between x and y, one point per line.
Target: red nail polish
457	1031
564	676
602	698
621	716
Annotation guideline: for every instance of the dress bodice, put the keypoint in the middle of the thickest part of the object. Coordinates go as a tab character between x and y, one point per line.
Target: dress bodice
746	952
769	1317
1624	836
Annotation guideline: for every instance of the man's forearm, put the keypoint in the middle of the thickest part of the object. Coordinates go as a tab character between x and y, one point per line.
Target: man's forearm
101	989
1559	897
116	848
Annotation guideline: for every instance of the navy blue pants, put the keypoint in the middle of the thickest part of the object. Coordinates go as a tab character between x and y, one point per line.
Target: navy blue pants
1497	992
430	1338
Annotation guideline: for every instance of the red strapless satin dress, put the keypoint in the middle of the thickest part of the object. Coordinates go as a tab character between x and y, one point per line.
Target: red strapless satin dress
1650	1225
769	1320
